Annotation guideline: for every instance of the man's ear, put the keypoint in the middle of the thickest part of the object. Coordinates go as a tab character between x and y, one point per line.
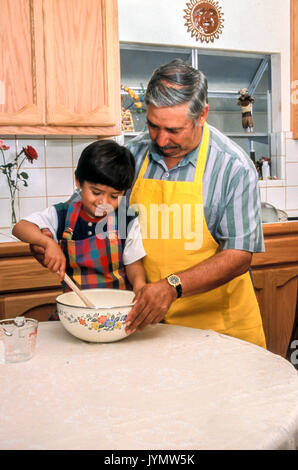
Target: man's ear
203	116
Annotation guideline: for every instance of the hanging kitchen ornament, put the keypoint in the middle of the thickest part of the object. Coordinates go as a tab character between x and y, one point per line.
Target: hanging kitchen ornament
204	20
136	100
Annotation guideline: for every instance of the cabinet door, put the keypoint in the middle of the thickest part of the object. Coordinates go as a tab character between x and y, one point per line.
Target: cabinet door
276	291
21	62
39	305
82	62
294	68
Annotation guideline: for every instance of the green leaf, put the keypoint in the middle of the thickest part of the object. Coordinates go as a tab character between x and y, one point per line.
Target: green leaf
24	175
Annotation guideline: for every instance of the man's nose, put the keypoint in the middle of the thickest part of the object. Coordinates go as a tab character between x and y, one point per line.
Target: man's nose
162	139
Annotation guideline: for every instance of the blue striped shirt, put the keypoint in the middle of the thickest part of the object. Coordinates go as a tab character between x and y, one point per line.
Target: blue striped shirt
231	197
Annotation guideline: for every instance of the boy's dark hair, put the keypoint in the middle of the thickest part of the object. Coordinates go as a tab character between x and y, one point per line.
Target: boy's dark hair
108	163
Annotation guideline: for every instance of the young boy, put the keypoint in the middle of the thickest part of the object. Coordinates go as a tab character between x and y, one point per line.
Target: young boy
88	241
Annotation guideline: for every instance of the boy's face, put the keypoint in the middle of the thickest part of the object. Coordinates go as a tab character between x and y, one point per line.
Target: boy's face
97	199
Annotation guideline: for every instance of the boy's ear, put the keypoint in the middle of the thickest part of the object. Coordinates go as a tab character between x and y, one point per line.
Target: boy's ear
77	183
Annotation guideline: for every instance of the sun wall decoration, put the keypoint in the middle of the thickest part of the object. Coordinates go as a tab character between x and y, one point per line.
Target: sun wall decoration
204	19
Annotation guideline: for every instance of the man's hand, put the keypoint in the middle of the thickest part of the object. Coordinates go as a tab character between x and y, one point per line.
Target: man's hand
151	304
37	251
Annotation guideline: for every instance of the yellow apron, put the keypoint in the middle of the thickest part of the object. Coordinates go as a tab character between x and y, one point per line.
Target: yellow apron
172	247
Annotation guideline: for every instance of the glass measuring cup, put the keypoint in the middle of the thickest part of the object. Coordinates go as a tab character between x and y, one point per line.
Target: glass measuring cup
18	337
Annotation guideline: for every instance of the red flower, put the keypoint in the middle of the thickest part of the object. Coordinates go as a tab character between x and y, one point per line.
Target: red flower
102	319
30	153
3	146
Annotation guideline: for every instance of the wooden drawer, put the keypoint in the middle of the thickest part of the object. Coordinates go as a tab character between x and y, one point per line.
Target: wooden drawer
25	273
39	305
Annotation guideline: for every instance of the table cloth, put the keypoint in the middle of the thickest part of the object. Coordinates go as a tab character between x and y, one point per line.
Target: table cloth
167	387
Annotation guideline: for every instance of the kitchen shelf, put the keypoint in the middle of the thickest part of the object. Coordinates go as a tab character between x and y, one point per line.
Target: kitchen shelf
249	135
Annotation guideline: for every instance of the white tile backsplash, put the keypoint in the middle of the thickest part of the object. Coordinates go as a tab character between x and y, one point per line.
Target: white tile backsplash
5	212
292	150
60	181
51	176
292	198
292	174
59	153
78	147
32	204
276	197
36	183
4	188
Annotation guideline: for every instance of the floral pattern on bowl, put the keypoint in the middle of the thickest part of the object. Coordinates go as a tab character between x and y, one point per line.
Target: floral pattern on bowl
107	322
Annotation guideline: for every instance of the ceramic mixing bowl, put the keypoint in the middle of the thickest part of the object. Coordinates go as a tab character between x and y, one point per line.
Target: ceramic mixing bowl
101	324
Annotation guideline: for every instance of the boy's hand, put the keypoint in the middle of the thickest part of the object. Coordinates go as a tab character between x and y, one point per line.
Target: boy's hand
38	251
54	258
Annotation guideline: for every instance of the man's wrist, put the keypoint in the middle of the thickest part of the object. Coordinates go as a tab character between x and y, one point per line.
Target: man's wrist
175	282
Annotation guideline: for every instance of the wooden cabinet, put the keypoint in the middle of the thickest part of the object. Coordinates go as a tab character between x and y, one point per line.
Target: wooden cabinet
21	63
59	67
26	288
275	275
294	68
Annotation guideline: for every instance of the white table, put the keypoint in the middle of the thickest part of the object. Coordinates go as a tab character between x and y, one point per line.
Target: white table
167	387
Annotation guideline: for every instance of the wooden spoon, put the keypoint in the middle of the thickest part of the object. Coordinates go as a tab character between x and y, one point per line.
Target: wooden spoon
75	288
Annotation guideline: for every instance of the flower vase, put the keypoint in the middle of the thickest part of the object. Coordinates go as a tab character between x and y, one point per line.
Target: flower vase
13	217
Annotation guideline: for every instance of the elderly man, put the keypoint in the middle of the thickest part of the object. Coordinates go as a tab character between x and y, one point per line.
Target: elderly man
187	164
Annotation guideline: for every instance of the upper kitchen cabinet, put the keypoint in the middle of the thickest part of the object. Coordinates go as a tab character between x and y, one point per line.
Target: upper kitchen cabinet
294	68
60	67
22	81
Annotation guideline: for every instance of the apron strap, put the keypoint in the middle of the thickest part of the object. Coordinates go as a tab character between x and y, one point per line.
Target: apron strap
202	157
71	219
203	153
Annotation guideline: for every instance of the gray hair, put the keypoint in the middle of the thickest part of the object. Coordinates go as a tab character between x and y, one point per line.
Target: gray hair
178	83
